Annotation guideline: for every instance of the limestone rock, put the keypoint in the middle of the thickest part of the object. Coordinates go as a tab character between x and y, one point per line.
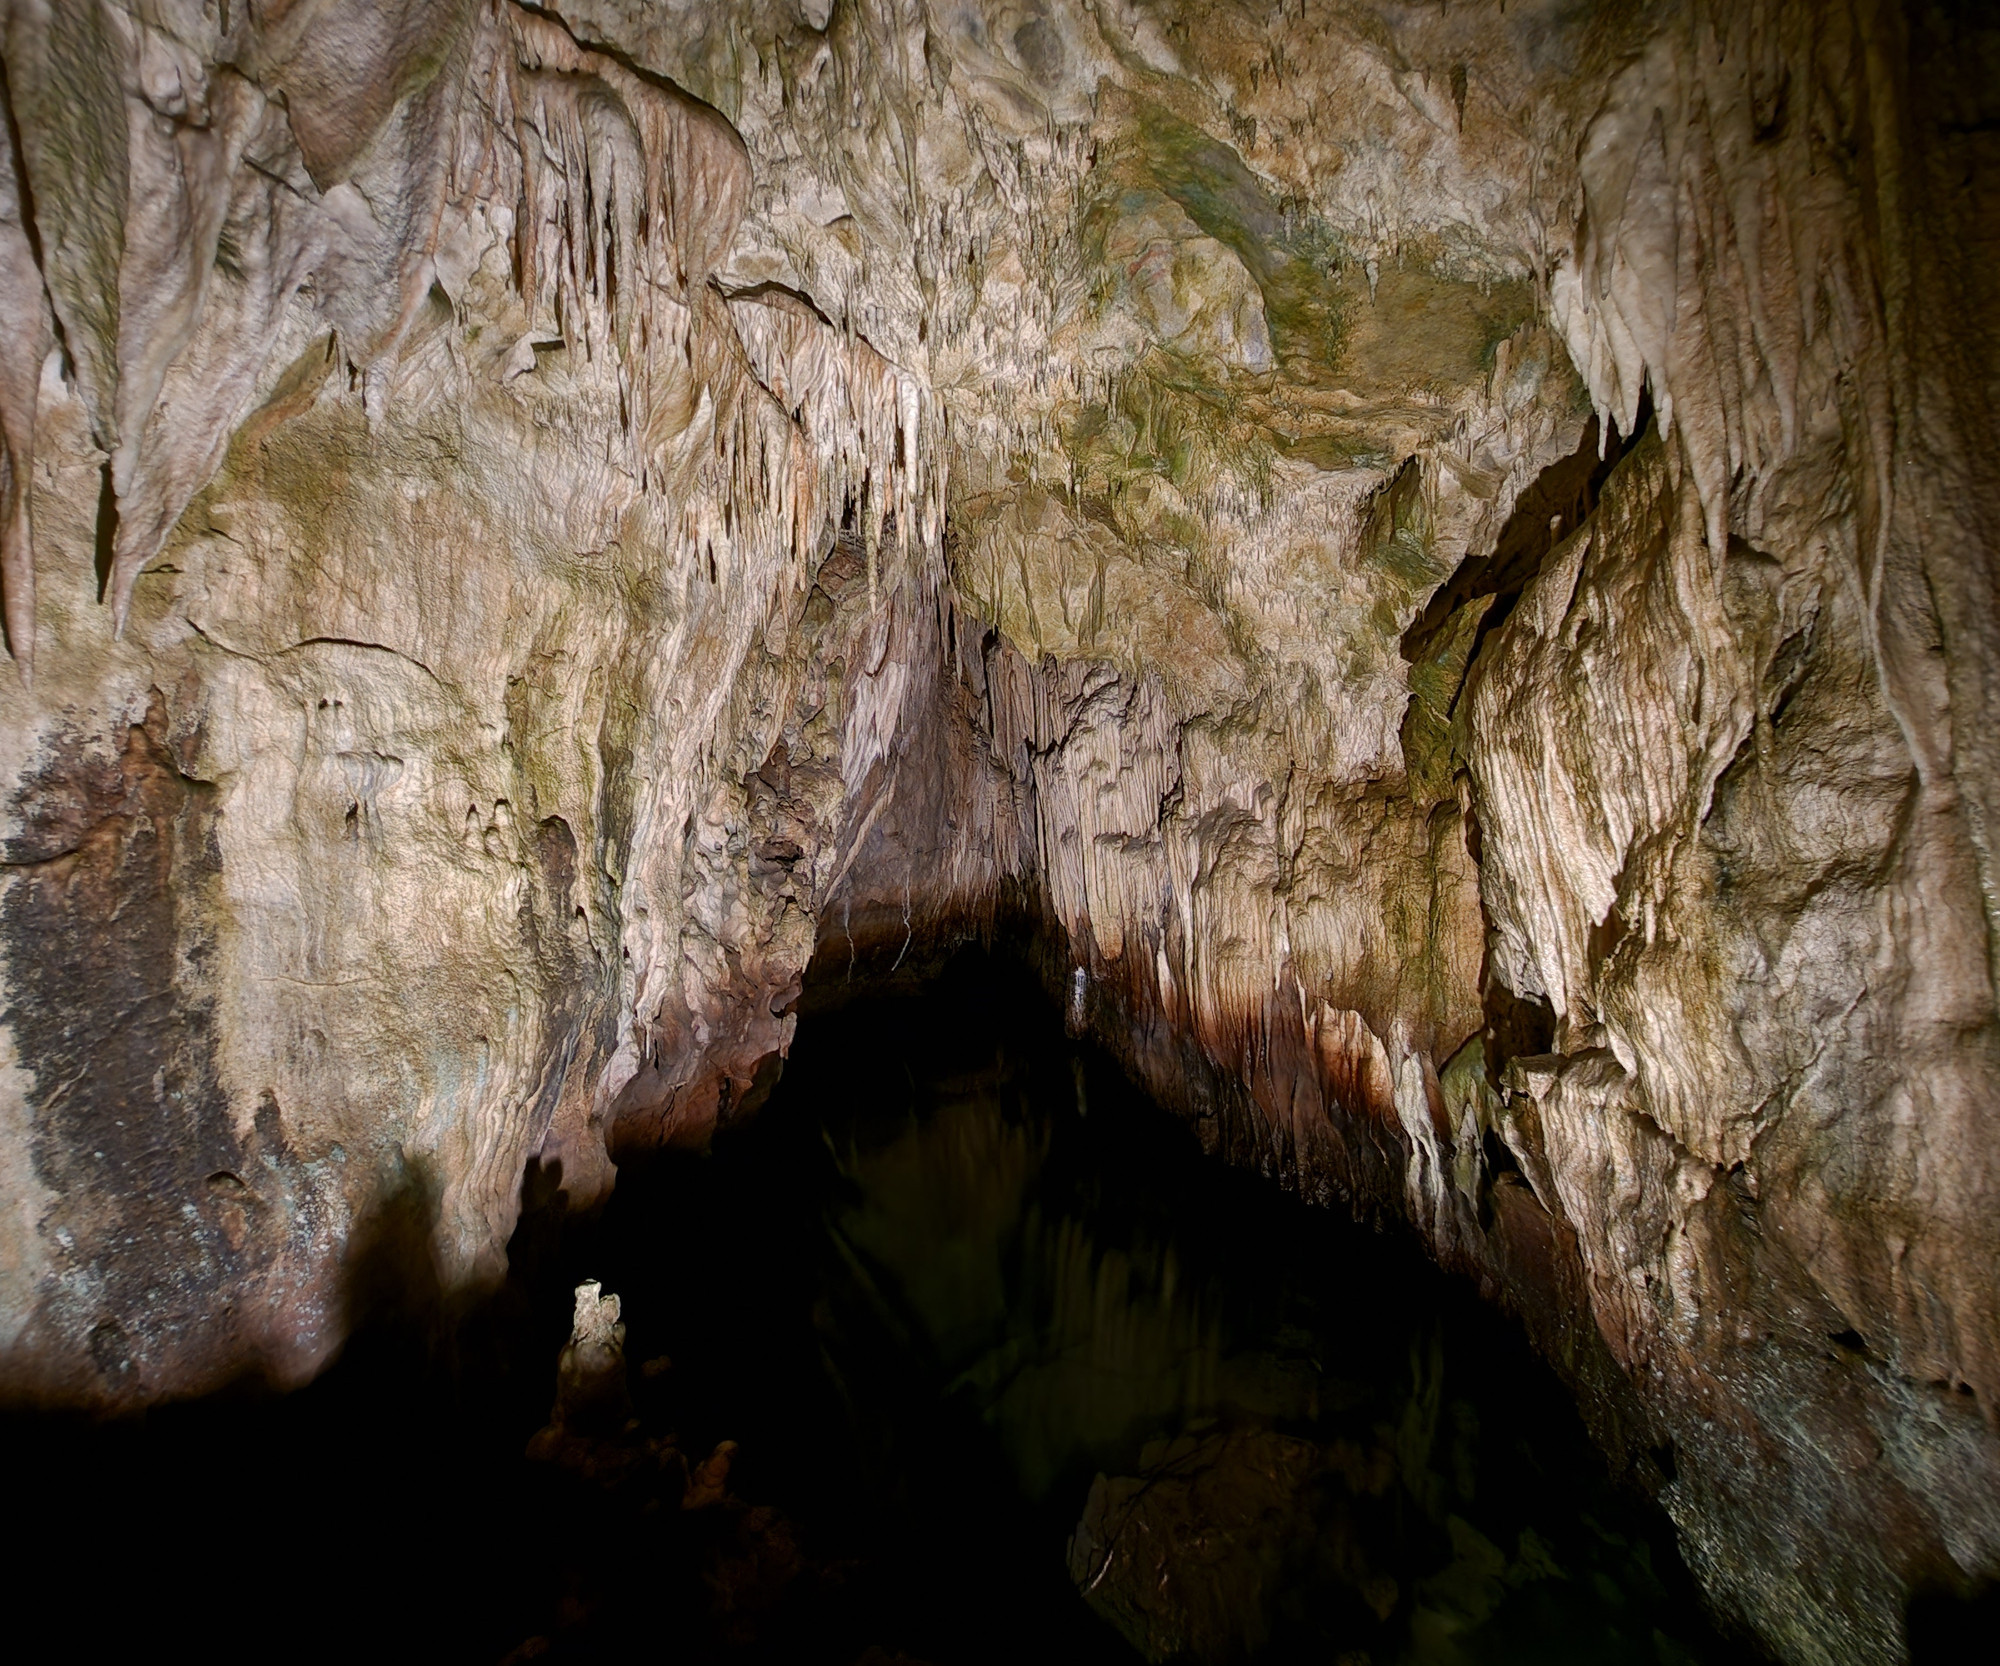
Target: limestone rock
591	1388
1441	556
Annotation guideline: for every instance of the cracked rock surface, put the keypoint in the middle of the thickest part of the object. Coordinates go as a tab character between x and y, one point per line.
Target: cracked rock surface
1440	557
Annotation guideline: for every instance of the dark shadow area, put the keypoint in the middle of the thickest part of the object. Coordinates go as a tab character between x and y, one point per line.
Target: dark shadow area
378	1512
984	1327
1947	1627
104	549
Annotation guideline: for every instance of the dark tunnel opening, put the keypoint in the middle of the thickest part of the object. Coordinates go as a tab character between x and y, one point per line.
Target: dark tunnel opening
1008	1366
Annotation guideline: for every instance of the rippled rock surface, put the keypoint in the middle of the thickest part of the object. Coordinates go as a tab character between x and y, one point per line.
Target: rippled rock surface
1438	561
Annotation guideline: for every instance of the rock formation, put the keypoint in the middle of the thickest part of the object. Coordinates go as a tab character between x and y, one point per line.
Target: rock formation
591	1387
1441	555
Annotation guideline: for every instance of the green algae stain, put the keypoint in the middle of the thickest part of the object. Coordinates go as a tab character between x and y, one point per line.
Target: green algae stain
1413	329
1399	544
1427	335
1292	266
1216	188
1433	745
1165	421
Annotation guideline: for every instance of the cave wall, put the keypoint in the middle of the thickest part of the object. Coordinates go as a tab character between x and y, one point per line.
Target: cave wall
1438	557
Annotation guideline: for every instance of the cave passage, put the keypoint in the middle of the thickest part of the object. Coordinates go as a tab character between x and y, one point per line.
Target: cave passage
986	1327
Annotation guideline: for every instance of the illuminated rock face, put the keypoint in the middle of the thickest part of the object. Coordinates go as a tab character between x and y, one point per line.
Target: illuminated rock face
1444	554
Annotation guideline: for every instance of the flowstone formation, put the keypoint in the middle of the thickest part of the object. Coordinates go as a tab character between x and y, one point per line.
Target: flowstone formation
1442	555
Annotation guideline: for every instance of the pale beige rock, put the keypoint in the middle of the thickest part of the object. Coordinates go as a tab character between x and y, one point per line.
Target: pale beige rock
594	503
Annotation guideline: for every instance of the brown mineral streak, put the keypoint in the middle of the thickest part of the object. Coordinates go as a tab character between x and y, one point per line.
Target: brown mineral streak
1436	564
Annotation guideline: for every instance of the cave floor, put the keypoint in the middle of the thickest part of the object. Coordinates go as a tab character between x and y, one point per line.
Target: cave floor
985	1327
